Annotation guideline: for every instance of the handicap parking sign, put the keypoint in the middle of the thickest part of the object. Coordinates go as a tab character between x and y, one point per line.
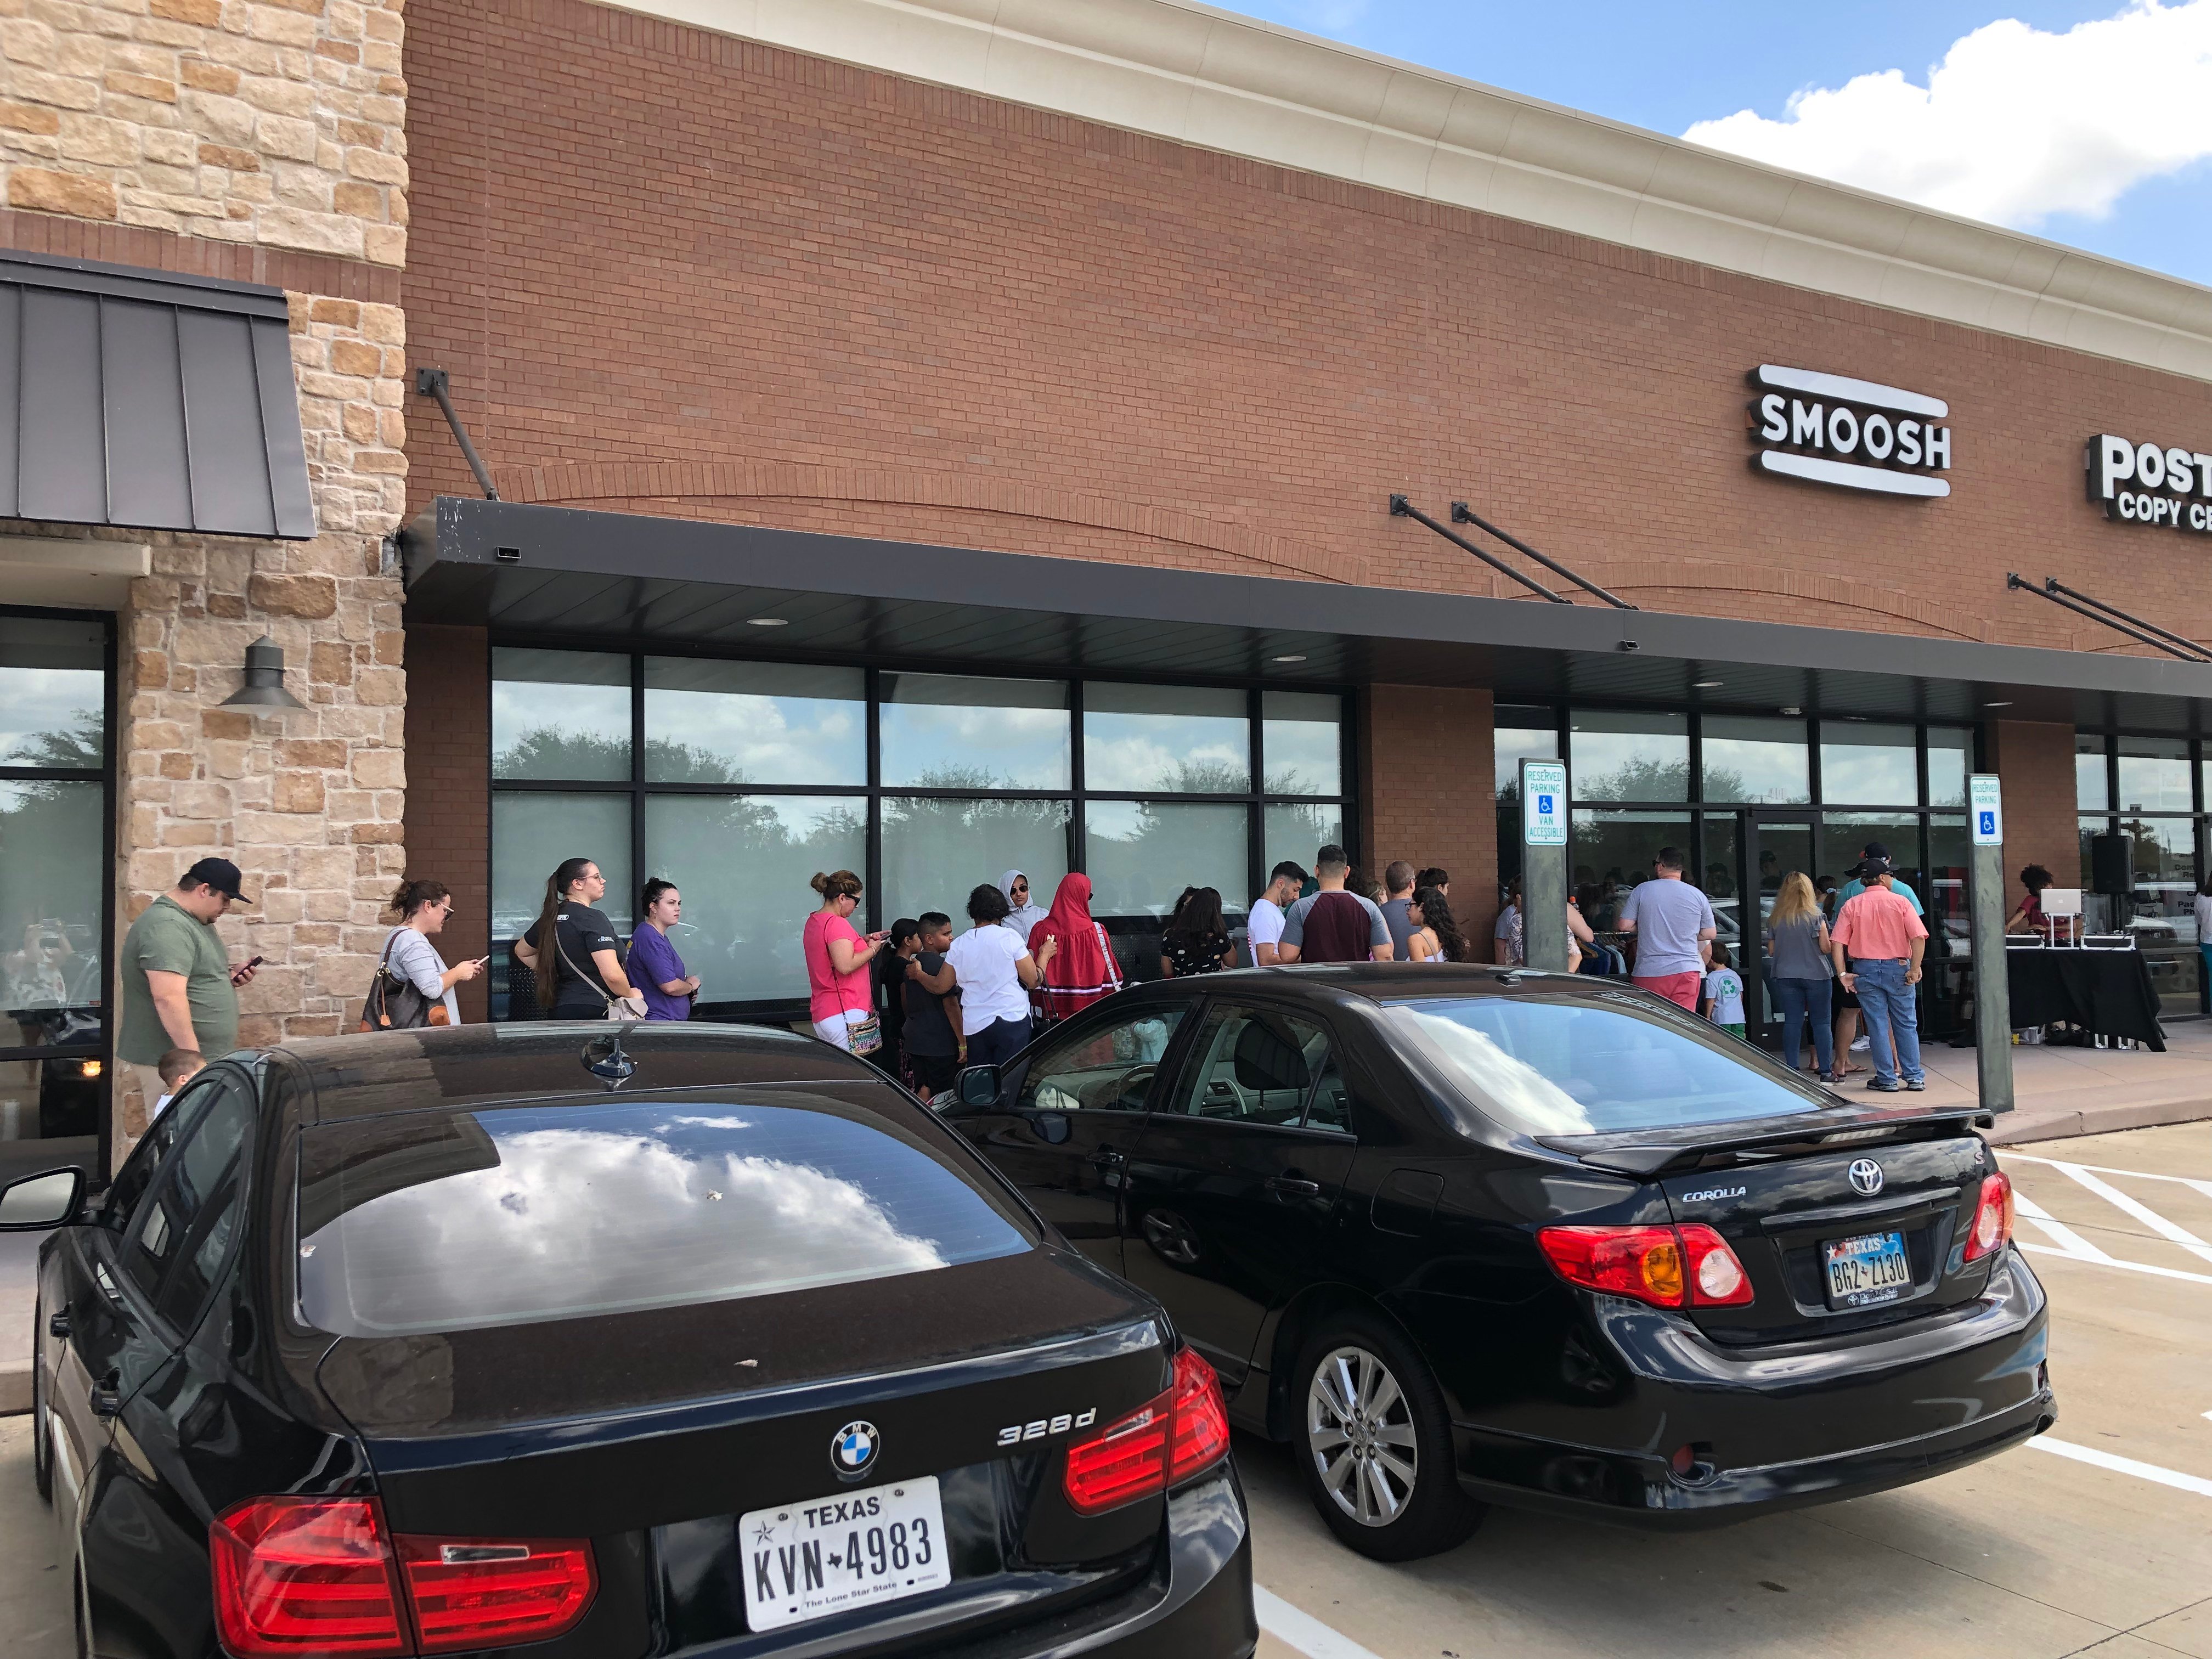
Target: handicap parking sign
1543	795
1982	795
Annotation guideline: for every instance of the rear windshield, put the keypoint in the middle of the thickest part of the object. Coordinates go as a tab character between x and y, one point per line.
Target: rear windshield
438	1221
1575	1066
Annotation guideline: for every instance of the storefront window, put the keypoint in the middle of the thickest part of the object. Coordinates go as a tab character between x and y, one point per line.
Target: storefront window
1844	836
754	723
1629	757
1302	738
534	832
1141	855
1865	764
1613	853
1296	832
55	882
743	863
1522	734
1174	739
560	716
1950	758
1761	761
2092	791
960	731
2154	776
938	849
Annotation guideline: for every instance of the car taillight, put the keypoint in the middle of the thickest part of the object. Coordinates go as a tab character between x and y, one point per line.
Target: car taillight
1666	1267
305	1576
315	1576
482	1593
1160	1445
1992	1228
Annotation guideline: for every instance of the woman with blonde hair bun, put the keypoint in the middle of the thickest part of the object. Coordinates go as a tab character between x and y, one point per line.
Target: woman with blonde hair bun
1797	936
840	1000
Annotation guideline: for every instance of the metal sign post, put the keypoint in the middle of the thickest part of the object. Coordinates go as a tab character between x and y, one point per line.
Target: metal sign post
1544	863
1992	983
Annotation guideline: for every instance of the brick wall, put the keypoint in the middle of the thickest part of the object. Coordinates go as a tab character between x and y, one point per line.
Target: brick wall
670	268
449	792
2034	764
1426	794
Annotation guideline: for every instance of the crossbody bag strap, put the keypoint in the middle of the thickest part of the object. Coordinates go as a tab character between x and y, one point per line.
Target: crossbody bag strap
562	951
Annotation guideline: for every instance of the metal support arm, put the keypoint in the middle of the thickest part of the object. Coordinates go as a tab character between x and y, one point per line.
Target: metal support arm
431	383
1402	508
1462	514
2057	596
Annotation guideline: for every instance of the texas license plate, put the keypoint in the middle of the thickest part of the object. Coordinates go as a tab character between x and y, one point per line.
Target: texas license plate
828	1555
1870	1269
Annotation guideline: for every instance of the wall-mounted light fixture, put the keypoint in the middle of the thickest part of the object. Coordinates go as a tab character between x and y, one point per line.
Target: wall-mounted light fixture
264	679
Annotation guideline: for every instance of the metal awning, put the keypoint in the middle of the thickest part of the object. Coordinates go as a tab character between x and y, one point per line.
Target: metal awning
148	400
629	580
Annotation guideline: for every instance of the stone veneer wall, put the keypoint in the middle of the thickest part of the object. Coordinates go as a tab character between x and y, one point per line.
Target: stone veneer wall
259	143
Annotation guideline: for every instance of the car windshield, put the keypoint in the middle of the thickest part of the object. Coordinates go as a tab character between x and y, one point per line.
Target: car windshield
447	1221
1584	1065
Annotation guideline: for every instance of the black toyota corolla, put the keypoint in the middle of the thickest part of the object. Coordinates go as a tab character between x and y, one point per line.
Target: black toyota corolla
708	1342
1460	1234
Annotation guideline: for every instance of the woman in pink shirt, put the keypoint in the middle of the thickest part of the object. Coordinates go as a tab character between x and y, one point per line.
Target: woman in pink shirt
839	997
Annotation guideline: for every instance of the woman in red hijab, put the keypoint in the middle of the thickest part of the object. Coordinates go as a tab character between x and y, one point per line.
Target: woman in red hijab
1084	970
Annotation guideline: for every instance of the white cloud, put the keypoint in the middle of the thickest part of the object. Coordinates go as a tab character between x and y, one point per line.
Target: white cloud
2014	124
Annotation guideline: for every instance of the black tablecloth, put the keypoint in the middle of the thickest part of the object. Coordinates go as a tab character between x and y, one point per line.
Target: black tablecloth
2106	992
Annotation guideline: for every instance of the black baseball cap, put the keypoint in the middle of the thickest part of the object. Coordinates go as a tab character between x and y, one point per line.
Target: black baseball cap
1875	849
1875	867
219	873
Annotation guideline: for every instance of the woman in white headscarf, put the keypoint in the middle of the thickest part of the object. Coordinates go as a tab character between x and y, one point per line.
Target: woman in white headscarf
1021	913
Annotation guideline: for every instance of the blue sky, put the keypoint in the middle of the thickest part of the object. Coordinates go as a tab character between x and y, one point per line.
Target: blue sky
2115	120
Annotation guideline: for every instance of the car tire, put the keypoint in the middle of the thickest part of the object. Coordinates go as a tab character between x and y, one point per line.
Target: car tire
42	1445
1381	1473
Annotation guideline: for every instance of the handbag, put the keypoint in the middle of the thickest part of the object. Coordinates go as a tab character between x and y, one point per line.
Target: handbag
866	1036
397	1004
629	1007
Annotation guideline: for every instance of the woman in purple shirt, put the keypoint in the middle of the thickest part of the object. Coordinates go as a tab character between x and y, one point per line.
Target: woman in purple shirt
654	967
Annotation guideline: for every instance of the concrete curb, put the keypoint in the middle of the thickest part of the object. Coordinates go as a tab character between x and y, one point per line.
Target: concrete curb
2029	1124
15	1390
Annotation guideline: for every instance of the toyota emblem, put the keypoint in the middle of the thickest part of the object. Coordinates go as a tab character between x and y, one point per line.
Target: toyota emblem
1866	1176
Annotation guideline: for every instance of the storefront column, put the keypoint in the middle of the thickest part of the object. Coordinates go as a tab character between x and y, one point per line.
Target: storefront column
1426	794
449	799
2035	762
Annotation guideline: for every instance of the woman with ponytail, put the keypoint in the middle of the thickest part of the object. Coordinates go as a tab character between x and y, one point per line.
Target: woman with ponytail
408	955
572	947
841	1001
1436	936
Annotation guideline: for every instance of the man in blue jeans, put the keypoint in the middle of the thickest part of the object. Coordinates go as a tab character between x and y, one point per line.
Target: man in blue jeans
1885	939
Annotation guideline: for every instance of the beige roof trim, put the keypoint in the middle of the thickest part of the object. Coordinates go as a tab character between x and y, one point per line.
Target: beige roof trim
1177	69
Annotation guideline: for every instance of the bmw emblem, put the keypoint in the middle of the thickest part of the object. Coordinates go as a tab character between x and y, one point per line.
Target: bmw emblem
1865	1178
854	1450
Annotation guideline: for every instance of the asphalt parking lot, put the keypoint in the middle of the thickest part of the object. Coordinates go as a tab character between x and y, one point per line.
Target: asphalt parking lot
2096	1538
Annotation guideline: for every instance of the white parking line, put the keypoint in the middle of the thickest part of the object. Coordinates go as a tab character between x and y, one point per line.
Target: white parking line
2201	1186
2105	1460
2075	1244
2102	1261
2141	1212
1301	1630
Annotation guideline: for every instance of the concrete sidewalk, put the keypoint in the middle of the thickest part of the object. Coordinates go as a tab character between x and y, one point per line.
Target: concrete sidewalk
2058	1092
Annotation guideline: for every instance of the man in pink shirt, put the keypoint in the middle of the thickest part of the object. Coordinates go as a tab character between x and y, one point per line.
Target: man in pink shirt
1885	937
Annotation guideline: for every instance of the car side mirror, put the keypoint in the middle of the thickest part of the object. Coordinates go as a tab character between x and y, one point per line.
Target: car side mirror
977	1087
37	1202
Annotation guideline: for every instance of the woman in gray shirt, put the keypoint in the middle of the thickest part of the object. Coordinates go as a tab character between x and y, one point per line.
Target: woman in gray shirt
1797	936
424	906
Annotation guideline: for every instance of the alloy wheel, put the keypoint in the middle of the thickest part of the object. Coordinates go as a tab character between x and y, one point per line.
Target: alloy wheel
1359	1432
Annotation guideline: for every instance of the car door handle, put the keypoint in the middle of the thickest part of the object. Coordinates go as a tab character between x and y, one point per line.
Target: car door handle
58	1327
108	1395
1106	1158
1292	1187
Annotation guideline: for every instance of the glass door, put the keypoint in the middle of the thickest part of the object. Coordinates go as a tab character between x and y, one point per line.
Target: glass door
1778	843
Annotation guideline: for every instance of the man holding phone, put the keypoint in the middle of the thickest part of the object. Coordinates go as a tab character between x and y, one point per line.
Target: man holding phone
179	989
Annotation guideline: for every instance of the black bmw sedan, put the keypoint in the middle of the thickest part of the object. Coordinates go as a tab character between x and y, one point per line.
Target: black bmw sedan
697	1340
1459	1235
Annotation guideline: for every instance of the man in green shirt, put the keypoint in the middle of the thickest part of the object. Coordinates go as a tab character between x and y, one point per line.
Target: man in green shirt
178	986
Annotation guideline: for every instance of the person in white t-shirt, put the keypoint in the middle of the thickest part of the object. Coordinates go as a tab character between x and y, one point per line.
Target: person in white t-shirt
994	973
2205	926
1264	928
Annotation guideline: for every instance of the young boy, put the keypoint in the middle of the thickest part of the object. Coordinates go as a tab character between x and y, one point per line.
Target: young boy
1723	993
932	1042
176	1066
